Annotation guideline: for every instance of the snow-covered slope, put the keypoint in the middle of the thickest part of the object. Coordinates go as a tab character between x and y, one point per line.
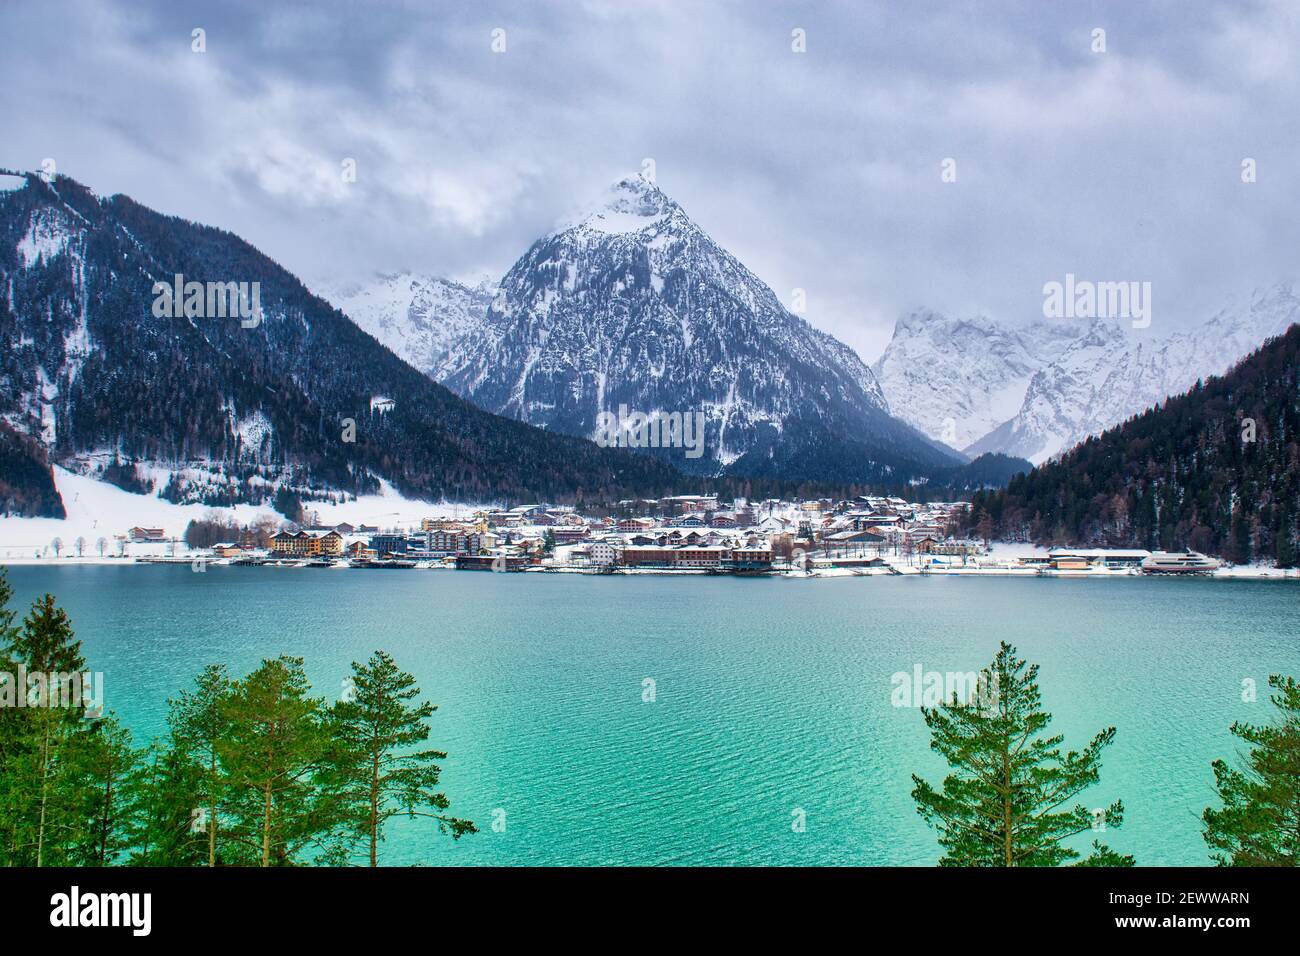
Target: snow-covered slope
1109	374
634	305
419	318
1096	381
97	378
957	379
96	509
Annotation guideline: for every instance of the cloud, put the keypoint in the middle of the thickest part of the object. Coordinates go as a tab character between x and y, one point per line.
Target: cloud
820	170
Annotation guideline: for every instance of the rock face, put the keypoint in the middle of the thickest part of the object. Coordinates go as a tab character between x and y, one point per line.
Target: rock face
958	379
421	319
1061	381
634	307
96	377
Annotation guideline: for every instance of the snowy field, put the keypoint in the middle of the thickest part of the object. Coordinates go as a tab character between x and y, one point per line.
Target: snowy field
97	510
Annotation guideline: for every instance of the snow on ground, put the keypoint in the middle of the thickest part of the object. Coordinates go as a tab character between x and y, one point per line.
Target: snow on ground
1256	571
46	237
387	509
564	553
97	510
1010	550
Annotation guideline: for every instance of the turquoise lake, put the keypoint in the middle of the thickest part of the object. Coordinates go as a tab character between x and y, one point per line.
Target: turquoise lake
771	696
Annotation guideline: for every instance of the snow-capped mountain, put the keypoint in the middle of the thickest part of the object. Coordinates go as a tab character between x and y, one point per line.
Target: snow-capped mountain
1098	380
178	394
419	318
635	306
1109	374
957	379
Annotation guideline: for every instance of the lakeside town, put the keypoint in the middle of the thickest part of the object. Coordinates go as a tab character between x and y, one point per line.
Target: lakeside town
683	534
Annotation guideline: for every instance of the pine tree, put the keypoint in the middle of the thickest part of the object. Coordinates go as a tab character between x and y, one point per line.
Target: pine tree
1001	803
104	767
46	643
168	792
43	798
375	774
12	726
271	752
1259	822
1284	542
198	722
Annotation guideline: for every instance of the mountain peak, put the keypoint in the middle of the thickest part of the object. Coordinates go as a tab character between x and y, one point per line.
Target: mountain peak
631	305
632	204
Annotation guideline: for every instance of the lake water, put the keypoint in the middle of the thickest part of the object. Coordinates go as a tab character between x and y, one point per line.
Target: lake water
771	696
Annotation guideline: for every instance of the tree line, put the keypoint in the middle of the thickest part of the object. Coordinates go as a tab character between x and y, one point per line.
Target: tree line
253	771
256	771
1009	797
1216	469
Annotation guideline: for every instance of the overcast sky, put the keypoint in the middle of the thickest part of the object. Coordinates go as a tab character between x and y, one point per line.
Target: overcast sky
819	170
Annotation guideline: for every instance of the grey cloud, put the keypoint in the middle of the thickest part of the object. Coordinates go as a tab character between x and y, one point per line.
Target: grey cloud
819	170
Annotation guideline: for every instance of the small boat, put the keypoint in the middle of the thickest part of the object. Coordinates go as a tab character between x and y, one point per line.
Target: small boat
1178	562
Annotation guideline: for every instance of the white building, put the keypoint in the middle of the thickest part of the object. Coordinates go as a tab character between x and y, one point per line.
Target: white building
604	552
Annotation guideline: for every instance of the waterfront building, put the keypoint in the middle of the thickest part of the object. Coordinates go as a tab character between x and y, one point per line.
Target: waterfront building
604	553
306	544
389	542
751	559
490	562
1114	558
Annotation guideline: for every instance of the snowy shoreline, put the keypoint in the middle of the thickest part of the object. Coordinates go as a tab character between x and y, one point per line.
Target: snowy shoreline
90	503
1244	573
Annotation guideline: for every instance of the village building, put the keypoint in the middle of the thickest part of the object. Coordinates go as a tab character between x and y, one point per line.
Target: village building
604	553
359	550
751	559
491	562
307	544
456	541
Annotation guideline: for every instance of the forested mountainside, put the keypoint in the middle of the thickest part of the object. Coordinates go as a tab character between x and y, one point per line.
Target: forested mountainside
206	409
26	479
989	470
1216	470
1039	389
